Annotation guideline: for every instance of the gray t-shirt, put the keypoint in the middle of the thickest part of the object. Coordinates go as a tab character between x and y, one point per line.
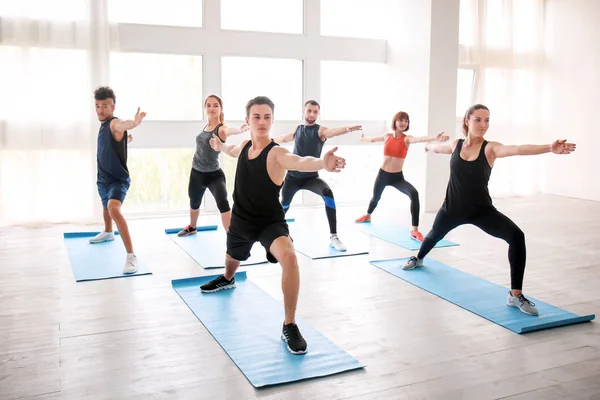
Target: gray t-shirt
205	158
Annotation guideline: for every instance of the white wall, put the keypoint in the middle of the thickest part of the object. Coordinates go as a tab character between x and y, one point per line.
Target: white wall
572	93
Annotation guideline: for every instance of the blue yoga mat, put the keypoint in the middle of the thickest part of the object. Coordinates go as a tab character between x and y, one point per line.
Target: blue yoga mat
313	242
209	245
397	235
97	261
479	296
247	323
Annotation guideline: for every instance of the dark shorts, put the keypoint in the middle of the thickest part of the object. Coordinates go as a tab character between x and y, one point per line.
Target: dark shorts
116	190
242	236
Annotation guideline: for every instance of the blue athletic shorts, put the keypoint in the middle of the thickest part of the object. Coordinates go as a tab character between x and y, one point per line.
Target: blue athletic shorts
116	190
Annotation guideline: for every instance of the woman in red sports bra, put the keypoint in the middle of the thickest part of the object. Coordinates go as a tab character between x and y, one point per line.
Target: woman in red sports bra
390	174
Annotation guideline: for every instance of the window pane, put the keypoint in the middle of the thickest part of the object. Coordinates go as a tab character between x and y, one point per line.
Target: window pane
263	15
25	77
167	87
355	18
349	90
56	10
159	180
464	90
244	78
173	12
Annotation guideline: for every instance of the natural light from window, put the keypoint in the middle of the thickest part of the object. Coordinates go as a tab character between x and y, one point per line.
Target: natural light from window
246	77
352	90
172	12
139	80
281	16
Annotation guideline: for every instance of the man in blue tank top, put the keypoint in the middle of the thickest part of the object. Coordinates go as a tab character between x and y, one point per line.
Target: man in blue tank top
113	175
309	139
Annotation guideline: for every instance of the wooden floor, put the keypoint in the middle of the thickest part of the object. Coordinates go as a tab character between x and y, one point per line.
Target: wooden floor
134	338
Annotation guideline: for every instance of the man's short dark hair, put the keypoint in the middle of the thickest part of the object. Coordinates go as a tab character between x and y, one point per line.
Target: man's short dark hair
259	101
312	103
103	93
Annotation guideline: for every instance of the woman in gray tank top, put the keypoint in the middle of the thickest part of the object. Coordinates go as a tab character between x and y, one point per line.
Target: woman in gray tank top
206	172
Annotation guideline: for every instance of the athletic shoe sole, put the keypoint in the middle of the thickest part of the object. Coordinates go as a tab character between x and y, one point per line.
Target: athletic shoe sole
218	289
289	349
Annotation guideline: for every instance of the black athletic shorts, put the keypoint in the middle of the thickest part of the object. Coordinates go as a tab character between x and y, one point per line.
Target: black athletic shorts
242	236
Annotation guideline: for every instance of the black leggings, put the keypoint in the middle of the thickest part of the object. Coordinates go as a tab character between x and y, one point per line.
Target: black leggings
215	182
395	180
316	185
492	222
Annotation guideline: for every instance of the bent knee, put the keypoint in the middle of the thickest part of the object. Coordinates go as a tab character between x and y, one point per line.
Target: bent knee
223	206
517	237
288	257
413	194
114	207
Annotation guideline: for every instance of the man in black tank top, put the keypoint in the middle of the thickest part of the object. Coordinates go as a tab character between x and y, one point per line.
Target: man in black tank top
468	200
257	214
309	139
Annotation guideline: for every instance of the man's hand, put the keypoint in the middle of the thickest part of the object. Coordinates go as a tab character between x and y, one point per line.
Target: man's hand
333	163
139	116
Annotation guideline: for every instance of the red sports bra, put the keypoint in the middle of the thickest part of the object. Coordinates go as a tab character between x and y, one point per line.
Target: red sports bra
395	147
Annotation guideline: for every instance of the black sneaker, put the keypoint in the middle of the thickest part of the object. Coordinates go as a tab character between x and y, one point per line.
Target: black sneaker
188	230
219	283
295	342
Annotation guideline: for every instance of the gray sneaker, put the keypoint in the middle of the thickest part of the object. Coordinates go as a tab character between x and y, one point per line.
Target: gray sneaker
521	303
412	263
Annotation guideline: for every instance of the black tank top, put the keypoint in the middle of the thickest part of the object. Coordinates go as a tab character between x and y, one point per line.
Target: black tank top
255	195
467	190
307	142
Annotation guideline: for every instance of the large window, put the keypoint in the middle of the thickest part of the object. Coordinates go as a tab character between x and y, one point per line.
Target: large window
352	90
159	180
263	15
173	12
355	18
244	78
464	90
36	78
167	87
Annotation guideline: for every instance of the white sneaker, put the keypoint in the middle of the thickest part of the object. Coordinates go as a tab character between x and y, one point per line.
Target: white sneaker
522	303
336	244
412	263
103	237
131	264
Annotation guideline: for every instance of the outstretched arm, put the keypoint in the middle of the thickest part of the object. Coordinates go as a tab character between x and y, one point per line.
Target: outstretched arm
118	126
440	137
373	139
441	148
284	138
231	150
293	162
500	150
326	133
226	131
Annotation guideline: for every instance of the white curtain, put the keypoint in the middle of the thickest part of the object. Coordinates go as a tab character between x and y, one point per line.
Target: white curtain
503	40
52	56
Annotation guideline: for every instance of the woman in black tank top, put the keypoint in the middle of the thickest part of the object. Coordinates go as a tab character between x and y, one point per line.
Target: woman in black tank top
468	200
